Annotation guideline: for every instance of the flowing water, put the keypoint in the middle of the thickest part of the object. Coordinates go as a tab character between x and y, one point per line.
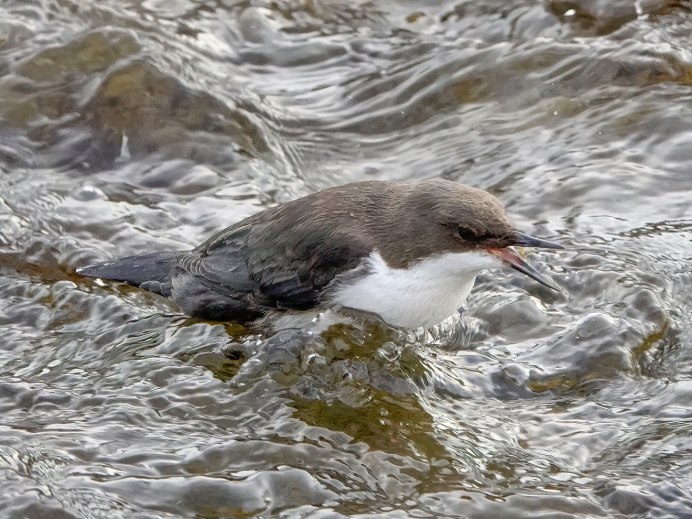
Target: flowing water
131	126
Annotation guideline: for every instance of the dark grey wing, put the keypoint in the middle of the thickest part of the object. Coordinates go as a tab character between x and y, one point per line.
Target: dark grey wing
245	271
295	274
304	255
215	283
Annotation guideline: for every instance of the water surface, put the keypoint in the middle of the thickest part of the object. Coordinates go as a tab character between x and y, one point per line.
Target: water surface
132	126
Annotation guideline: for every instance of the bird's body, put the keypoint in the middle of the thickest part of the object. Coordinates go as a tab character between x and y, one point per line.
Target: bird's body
406	252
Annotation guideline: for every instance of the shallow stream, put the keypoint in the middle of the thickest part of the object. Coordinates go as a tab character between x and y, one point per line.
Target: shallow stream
130	126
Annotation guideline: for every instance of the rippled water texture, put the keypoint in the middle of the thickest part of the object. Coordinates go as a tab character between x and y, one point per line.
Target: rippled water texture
131	126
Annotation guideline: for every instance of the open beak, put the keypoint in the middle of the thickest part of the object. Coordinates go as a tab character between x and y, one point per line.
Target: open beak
512	259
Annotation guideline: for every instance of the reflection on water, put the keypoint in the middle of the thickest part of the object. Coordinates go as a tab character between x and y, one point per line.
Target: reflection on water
136	126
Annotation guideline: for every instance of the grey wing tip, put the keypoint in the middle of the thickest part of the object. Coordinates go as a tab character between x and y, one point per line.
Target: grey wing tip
152	270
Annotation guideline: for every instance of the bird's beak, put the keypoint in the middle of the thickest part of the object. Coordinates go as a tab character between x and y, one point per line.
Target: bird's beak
524	240
512	259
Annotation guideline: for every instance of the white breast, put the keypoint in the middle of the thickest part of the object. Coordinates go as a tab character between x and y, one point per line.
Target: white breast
420	296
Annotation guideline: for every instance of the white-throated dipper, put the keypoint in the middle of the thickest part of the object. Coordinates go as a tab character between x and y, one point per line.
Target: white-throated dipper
409	253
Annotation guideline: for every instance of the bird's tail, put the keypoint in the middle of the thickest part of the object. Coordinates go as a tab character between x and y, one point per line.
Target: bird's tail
151	272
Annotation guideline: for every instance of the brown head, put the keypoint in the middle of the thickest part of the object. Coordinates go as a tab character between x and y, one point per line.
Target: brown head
444	216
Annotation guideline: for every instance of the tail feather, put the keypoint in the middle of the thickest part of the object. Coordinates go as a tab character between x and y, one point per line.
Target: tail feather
151	272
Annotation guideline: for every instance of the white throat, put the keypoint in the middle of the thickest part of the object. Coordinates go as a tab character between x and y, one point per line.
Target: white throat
421	296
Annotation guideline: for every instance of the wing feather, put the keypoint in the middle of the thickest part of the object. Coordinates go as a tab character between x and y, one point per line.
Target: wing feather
261	268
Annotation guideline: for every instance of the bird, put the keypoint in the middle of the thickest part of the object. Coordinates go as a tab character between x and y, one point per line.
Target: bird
407	253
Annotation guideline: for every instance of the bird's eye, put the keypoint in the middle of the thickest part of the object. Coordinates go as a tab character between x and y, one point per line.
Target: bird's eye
471	235
467	234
